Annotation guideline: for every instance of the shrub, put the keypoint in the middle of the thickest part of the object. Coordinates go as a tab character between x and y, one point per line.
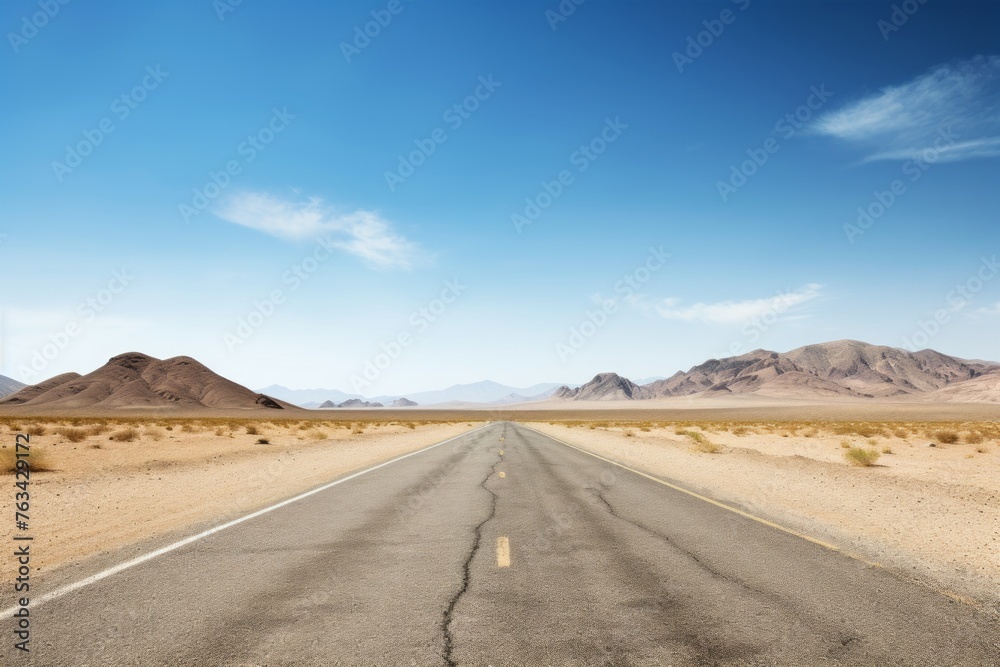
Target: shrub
318	435
74	434
701	443
38	460
740	430
263	441
946	437
844	444
859	456
252	430
36	429
124	435
973	437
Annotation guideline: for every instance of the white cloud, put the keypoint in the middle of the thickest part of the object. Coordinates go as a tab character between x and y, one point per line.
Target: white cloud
364	234
955	106
736	312
989	310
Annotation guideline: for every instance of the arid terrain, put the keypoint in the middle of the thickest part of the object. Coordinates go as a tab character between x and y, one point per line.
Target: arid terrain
922	498
103	483
929	510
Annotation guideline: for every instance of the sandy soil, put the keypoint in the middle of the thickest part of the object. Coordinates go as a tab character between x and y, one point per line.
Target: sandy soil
104	494
930	512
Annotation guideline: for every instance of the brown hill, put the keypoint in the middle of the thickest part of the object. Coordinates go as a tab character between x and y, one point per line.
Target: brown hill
983	389
839	369
604	387
35	390
134	380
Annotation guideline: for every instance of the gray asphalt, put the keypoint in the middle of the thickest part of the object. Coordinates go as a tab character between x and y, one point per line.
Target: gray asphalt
400	567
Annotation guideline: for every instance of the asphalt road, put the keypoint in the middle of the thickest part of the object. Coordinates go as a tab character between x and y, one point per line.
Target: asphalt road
505	547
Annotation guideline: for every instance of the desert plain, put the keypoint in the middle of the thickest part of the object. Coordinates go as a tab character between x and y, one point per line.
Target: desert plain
911	488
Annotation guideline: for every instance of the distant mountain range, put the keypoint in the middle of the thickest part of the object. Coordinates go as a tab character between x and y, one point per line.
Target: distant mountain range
839	369
486	392
843	369
133	380
9	385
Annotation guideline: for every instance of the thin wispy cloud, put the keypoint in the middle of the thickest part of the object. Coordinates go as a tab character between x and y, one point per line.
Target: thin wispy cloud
993	310
364	234
736	312
953	109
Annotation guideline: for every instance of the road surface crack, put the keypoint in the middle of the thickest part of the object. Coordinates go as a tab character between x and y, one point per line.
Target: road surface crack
715	573
466	567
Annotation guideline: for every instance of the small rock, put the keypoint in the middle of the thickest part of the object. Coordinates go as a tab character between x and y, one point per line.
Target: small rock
932	445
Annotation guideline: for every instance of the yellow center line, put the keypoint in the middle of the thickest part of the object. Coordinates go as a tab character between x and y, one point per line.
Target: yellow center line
503	552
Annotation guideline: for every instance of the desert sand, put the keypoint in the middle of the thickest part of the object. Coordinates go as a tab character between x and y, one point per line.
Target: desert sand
929	512
103	494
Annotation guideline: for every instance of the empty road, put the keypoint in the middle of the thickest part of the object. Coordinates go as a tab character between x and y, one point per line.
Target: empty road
504	547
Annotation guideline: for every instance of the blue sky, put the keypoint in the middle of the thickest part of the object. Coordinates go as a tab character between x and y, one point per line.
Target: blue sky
245	168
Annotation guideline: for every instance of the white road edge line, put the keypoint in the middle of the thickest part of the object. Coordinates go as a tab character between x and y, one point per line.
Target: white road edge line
710	501
121	567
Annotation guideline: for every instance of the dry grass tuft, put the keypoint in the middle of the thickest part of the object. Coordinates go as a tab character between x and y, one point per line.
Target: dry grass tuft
74	434
701	443
973	437
861	457
38	460
125	435
946	437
